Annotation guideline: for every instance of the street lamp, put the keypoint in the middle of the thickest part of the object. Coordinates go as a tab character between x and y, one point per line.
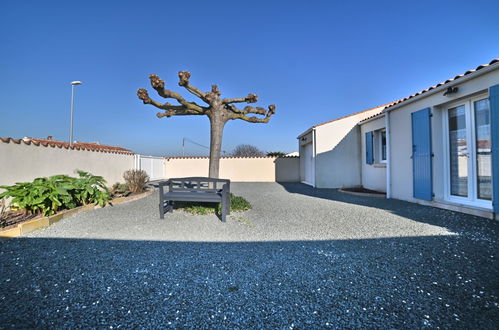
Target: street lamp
73	84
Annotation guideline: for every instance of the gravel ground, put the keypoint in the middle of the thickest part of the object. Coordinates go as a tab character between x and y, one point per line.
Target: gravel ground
301	258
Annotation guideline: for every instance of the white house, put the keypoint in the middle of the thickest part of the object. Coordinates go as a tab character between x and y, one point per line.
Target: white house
438	147
330	154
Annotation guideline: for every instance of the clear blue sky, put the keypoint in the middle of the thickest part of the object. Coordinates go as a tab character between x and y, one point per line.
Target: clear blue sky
316	60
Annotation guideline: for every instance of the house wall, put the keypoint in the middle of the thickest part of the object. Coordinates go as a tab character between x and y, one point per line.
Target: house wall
373	175
337	144
401	137
340	166
240	169
23	163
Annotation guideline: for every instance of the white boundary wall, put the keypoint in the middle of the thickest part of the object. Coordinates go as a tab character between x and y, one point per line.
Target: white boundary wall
238	169
23	163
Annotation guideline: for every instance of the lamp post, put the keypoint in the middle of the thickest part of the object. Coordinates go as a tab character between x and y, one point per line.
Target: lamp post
73	84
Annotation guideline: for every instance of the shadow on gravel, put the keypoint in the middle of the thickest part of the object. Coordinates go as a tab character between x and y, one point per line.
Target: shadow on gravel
411	282
452	221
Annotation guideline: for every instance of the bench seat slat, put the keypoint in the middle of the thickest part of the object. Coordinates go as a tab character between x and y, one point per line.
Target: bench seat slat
193	197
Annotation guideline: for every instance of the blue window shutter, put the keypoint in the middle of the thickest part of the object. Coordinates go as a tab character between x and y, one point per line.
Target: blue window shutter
369	148
421	155
494	129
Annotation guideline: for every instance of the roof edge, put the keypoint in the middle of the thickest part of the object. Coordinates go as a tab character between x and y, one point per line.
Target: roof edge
468	75
65	145
383	106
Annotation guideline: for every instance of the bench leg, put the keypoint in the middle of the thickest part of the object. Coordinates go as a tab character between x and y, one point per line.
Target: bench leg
161	210
224	211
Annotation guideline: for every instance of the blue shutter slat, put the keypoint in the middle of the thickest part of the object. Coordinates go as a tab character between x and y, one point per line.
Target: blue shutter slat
421	154
369	148
494	128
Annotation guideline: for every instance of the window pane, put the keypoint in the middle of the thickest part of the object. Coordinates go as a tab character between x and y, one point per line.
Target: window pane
483	150
458	146
383	145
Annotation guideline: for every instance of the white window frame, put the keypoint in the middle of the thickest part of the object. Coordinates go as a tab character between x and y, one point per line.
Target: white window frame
380	138
469	110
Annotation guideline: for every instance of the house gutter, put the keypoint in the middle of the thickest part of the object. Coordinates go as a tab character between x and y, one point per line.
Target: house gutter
315	154
388	156
439	89
306	132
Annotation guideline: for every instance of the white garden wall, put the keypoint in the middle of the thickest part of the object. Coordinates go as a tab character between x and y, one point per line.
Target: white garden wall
238	169
22	162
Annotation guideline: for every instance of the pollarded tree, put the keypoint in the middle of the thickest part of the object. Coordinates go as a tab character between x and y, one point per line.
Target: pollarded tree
219	110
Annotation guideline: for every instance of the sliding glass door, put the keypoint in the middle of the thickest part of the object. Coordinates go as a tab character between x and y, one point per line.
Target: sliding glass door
469	166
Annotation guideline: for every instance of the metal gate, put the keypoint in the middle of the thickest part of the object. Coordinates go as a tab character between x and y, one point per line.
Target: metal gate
154	166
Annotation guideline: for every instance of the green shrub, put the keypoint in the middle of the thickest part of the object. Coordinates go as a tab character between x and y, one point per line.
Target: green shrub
136	180
58	192
237	204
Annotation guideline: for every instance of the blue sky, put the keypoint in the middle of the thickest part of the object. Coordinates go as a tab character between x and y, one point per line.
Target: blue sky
316	60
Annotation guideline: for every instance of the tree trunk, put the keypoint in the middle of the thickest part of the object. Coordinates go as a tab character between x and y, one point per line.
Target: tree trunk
216	129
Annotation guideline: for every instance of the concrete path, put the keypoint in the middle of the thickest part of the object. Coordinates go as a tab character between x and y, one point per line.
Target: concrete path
302	257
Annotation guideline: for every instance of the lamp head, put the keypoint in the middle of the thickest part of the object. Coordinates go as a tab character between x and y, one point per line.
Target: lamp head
76	82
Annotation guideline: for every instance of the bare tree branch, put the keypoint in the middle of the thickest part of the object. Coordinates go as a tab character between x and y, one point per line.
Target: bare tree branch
250	98
170	110
159	86
254	119
177	111
184	82
247	109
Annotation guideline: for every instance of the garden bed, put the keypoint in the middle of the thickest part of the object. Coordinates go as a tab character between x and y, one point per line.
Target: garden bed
18	223
13	218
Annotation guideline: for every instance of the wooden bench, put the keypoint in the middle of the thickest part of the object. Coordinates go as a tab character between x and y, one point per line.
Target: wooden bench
194	189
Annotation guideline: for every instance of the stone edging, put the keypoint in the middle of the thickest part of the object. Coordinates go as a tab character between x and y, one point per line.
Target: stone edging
362	194
35	224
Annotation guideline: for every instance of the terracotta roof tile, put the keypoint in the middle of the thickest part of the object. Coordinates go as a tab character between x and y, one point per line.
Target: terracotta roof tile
443	83
76	146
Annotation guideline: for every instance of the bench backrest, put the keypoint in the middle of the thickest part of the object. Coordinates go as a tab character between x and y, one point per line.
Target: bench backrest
197	184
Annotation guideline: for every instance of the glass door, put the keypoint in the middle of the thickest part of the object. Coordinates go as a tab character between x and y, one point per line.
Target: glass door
458	151
469	161
483	149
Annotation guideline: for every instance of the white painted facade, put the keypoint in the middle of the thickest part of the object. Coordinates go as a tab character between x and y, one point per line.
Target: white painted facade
401	142
373	176
330	153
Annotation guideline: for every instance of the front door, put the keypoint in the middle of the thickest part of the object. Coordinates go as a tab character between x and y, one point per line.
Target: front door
309	163
469	164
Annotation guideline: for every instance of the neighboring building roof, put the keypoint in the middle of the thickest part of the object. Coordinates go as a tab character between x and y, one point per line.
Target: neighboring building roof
478	68
380	108
49	142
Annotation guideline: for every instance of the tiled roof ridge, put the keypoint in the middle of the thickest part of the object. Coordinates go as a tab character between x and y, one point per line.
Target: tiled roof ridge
65	145
226	157
443	83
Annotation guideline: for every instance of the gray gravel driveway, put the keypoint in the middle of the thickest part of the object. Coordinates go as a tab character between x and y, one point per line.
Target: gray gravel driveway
301	258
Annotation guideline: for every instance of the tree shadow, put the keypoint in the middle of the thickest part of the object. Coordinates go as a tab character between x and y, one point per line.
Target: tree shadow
408	282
